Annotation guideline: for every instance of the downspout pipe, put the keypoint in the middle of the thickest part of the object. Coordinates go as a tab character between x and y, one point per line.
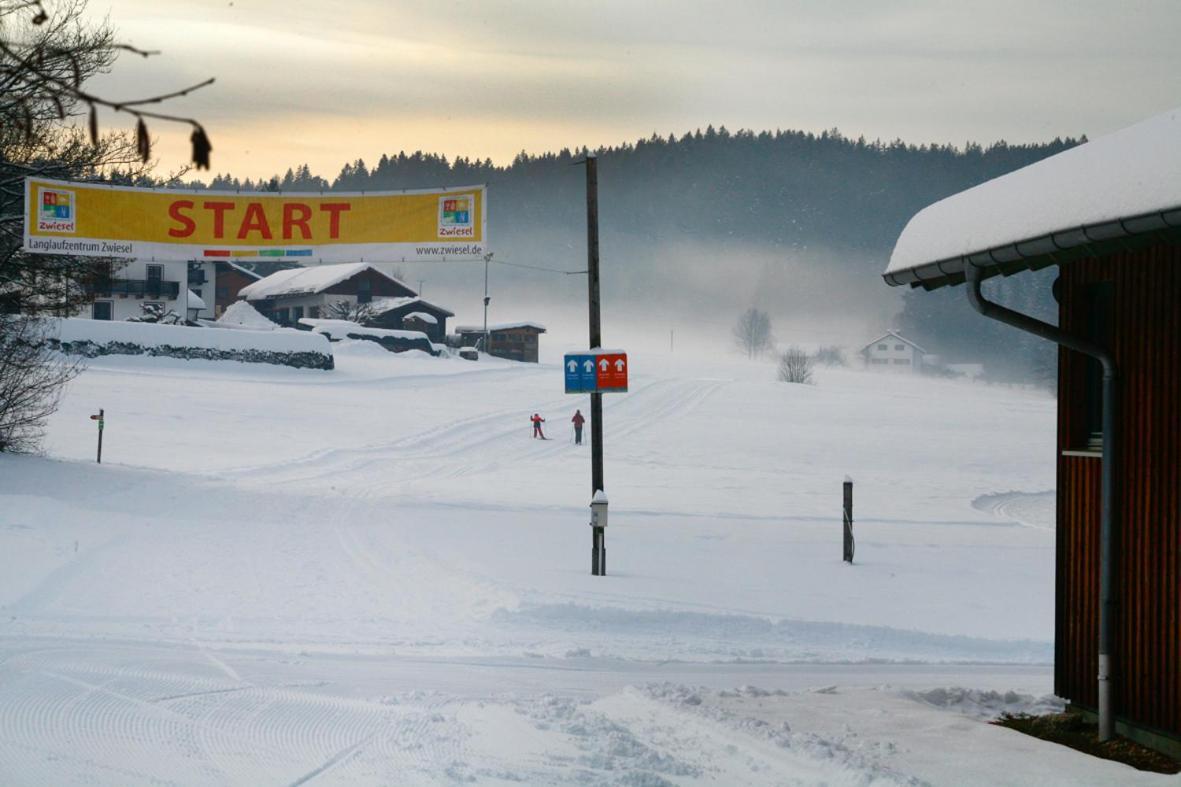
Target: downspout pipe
1107	511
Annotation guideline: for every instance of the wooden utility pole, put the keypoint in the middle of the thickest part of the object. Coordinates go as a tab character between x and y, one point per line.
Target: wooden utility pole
598	547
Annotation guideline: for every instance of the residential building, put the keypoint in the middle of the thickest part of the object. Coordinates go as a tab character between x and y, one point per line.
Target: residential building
1107	213
517	341
217	284
286	296
410	313
893	352
123	292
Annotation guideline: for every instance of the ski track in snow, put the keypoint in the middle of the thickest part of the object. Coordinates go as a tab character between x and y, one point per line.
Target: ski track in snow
470	445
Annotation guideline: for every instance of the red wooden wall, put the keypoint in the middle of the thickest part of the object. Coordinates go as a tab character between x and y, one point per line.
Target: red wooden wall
1145	337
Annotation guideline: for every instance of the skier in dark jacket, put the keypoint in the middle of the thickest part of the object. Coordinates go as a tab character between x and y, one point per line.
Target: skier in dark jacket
537	422
578	421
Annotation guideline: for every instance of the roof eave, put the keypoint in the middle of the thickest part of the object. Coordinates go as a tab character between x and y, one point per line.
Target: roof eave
1050	249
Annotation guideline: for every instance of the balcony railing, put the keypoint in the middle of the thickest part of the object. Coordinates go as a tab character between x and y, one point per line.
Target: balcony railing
139	288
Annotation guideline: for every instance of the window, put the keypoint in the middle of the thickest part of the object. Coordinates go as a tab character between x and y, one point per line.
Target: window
313	312
899	347
223	293
902	361
1097	301
101	310
883	347
155	279
296	313
364	291
878	361
281	316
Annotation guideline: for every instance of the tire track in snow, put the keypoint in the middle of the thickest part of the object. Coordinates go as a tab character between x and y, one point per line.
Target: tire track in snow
1029	509
89	712
52	585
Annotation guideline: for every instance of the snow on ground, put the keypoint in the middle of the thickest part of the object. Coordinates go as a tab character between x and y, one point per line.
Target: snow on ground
374	575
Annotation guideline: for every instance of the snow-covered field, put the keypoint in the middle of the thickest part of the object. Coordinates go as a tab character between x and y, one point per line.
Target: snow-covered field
374	575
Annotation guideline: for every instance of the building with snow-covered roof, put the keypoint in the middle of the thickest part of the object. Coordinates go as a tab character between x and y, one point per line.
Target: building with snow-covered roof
517	341
410	313
1108	214
123	291
892	352
286	296
217	283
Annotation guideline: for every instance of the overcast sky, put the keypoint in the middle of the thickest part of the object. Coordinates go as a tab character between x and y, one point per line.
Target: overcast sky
328	82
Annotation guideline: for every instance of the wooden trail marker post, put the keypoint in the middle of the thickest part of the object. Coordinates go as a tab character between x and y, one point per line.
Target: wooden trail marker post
101	422
847	549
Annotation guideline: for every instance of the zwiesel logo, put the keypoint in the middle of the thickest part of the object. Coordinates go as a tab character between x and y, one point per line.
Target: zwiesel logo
455	217
56	210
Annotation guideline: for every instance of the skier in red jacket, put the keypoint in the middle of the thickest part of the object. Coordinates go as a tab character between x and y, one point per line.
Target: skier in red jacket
537	422
578	421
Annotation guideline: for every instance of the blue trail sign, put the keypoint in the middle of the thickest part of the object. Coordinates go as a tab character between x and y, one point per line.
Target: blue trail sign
581	376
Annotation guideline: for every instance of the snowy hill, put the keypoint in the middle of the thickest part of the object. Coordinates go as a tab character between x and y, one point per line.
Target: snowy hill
376	575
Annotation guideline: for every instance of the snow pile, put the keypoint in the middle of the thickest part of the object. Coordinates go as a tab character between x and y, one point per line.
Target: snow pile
195	301
988	704
243	316
427	318
392	339
93	338
343	329
1131	172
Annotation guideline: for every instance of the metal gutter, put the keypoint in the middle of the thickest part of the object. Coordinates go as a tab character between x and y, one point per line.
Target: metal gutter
974	276
1038	252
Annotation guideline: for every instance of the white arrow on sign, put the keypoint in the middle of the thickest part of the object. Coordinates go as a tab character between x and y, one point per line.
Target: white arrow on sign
572	366
588	365
603	364
619	365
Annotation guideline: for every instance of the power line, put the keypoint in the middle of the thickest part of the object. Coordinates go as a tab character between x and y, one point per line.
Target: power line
538	268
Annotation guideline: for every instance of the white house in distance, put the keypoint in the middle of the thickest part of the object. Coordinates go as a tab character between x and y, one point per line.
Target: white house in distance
123	293
893	352
288	296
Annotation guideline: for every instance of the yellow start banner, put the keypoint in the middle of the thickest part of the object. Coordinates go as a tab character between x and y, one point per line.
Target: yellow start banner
91	220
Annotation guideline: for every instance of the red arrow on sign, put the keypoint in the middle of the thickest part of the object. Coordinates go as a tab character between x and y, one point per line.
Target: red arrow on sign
613	372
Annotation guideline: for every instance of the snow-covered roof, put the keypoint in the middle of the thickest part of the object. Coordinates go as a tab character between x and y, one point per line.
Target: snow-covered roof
383	305
432	319
307	281
504	326
240	269
1122	184
894	335
195	301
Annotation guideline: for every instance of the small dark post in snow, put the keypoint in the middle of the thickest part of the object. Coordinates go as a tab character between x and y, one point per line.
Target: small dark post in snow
99	418
848	540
